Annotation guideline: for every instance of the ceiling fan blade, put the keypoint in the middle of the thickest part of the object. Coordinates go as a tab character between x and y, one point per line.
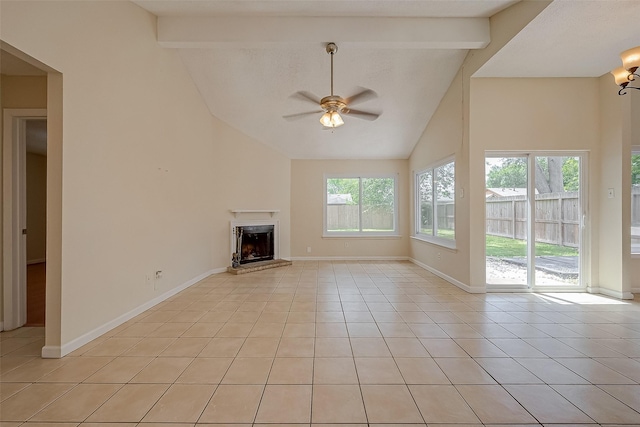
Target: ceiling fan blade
300	115
360	97
306	96
361	114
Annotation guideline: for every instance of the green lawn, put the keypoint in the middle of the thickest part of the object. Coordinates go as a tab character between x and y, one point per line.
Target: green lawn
506	247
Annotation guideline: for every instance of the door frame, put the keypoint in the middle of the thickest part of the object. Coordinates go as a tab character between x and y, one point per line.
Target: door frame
584	252
584	244
14	260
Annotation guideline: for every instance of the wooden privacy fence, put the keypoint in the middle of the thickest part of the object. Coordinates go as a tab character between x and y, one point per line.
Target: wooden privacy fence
557	217
345	217
445	212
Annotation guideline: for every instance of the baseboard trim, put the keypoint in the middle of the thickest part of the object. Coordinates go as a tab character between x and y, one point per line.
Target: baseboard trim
348	258
610	292
36	261
1	326
635	290
60	351
52	352
216	271
448	278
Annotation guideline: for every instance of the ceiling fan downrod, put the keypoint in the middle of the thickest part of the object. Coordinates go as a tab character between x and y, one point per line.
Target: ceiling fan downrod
332	48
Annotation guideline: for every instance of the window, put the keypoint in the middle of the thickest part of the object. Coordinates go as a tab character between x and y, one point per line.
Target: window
435	204
635	200
365	205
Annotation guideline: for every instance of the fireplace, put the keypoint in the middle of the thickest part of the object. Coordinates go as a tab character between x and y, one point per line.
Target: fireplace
253	242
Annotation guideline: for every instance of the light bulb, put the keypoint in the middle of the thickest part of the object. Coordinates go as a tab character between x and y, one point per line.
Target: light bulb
326	120
336	120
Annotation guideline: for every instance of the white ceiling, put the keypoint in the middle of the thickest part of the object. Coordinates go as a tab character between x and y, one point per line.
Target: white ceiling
570	38
248	57
382	8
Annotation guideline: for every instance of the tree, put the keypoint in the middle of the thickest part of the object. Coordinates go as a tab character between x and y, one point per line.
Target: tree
345	186
445	181
375	191
511	173
553	174
549	177
571	174
378	192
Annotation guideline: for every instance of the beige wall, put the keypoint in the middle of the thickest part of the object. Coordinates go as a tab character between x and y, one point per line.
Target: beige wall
634	275
534	115
36	208
634	272
448	134
444	138
24	91
614	254
19	92
248	175
148	175
307	200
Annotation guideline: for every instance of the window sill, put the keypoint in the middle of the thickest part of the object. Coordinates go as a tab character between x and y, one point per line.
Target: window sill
361	236
635	256
445	243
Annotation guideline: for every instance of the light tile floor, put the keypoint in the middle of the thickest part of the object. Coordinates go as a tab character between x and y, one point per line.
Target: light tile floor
338	343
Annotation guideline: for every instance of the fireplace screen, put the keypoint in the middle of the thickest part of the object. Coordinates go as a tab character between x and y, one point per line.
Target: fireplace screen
254	243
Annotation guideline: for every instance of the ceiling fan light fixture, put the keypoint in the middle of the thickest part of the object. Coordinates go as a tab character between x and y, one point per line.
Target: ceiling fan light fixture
331	119
333	106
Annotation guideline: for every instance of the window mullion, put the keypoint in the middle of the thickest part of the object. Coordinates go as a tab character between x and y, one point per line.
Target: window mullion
434	204
360	206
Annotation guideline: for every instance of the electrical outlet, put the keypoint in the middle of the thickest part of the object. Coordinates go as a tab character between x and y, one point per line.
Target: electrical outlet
611	193
158	278
439	256
308	249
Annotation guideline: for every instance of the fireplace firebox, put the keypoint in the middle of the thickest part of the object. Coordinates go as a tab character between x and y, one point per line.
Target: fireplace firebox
254	243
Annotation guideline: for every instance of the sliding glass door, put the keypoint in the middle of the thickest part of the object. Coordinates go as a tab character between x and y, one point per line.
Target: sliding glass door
507	219
534	220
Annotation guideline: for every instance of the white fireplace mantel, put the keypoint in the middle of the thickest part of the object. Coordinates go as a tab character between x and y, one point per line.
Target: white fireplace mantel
236	212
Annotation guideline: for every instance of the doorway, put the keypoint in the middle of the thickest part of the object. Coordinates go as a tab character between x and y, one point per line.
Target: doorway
25	177
36	206
534	220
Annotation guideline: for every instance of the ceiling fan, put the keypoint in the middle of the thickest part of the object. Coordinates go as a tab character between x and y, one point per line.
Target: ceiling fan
333	105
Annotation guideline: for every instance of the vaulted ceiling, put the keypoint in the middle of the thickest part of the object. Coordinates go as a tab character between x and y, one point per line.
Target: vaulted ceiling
248	57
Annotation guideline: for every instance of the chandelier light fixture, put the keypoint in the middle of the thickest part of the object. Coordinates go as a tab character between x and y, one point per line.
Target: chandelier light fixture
627	73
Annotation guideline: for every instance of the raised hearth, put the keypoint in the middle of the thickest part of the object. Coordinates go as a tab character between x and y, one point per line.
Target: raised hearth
258	266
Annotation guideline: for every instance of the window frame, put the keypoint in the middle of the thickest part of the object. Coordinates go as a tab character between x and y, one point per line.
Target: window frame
433	238
394	233
635	150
